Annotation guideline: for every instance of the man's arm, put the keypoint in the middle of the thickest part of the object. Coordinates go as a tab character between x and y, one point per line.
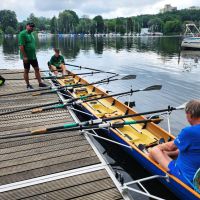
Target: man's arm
21	47
168	146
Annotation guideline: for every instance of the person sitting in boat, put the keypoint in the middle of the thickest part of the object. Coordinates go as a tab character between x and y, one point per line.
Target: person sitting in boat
185	148
57	63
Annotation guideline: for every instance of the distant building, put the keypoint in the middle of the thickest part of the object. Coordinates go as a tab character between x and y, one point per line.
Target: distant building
194	8
168	8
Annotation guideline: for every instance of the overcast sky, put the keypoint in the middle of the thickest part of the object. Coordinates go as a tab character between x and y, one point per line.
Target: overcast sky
106	8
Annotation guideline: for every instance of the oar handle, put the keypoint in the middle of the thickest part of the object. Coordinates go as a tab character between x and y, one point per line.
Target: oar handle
39	131
37	110
36	93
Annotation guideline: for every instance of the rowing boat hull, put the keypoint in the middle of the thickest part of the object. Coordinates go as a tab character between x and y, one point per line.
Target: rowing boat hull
180	189
173	185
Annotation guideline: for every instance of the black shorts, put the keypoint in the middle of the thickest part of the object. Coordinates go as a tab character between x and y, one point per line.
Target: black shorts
33	63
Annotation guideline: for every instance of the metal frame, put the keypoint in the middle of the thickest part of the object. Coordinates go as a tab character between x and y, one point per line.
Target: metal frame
145	193
51	177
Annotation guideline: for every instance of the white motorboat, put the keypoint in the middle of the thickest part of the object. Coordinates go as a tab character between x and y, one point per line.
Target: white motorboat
191	37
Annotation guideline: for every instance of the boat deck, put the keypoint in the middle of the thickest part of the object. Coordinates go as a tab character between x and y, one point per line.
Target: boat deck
60	165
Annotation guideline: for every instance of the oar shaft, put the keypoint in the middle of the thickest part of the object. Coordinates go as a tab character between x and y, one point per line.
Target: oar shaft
24	92
77	86
80	67
108	96
77	126
29	108
23	72
139	114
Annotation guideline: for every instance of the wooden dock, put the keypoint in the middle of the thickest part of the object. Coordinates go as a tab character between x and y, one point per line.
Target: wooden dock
63	165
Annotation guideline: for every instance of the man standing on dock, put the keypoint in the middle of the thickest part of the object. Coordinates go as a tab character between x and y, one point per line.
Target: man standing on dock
28	54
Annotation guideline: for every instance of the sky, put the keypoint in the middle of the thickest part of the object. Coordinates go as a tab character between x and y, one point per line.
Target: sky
106	8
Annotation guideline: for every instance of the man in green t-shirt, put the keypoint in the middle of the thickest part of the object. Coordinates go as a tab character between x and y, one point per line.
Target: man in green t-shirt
28	54
57	63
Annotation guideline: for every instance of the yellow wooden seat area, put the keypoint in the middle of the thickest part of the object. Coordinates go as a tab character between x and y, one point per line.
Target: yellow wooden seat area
81	92
69	81
102	110
137	135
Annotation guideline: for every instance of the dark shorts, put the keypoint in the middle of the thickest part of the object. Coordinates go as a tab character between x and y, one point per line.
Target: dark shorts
174	170
33	63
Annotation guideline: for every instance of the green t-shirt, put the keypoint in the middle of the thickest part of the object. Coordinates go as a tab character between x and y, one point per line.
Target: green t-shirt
27	40
56	61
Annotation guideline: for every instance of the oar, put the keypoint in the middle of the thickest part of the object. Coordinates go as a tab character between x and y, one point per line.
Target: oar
84	98
154	87
69	87
64	104
67	127
49	88
24	92
32	107
23	72
99	121
98	70
54	77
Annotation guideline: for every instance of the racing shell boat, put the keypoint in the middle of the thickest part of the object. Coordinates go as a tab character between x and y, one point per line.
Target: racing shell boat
133	135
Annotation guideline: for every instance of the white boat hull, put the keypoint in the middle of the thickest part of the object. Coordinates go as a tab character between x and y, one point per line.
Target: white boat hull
192	42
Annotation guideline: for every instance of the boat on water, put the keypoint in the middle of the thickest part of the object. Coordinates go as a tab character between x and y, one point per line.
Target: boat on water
131	135
191	37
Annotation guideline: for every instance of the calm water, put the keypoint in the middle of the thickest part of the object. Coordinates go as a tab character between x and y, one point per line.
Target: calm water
153	60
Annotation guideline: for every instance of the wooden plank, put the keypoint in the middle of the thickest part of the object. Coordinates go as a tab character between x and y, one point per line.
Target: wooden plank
56	185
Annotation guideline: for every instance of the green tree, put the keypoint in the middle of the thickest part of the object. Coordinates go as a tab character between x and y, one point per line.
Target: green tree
67	21
54	25
99	24
10	30
8	18
43	24
172	27
120	25
155	24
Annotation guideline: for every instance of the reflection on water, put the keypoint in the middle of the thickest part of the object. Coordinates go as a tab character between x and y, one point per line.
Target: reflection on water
190	60
153	60
165	46
153	51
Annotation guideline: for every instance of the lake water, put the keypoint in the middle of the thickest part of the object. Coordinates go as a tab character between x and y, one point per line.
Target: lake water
154	60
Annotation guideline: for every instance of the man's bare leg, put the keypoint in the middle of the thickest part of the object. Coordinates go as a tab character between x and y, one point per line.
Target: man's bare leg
37	74
160	157
53	69
26	76
64	72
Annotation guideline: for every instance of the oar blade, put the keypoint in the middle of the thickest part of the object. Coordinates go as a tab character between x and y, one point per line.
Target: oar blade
181	107
153	87
128	77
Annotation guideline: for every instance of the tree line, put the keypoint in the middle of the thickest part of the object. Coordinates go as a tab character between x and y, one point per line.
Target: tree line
68	22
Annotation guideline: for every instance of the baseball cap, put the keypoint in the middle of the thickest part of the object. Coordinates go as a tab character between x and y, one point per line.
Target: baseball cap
31	24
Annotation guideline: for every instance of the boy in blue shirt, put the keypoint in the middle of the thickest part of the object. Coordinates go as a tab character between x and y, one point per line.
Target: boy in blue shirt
186	147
